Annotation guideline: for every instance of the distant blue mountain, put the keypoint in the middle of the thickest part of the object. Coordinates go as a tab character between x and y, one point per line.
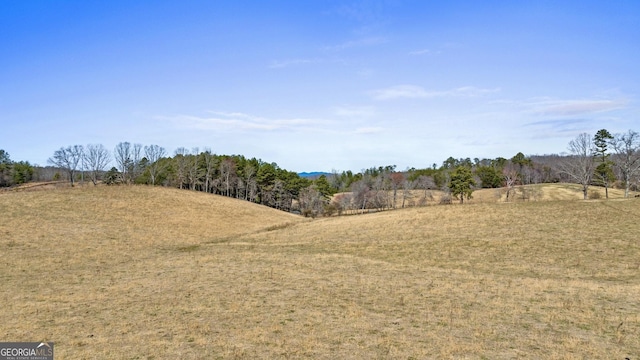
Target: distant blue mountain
313	174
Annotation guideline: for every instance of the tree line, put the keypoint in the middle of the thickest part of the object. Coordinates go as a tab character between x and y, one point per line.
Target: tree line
230	175
603	159
14	173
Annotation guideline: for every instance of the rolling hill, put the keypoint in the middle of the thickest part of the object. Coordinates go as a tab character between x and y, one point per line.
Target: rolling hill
142	272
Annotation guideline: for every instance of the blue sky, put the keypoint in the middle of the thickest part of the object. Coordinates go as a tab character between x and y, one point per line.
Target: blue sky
318	85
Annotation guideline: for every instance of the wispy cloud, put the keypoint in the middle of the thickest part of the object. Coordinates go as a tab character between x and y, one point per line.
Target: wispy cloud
575	107
401	91
363	42
558	128
418	92
557	123
425	52
235	121
281	64
363	11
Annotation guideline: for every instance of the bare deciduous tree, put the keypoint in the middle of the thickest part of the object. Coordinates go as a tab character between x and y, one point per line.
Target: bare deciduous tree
97	158
627	156
154	153
427	184
250	182
136	161
123	157
193	173
252	190
343	202
407	186
361	193
182	163
510	176
210	164
311	202
380	191
68	159
397	178
335	180
580	164
228	174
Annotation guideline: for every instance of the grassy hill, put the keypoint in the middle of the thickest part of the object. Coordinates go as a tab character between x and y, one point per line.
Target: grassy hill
537	192
153	273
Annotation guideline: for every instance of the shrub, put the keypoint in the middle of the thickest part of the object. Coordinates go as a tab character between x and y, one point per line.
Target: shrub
309	213
112	176
330	209
445	199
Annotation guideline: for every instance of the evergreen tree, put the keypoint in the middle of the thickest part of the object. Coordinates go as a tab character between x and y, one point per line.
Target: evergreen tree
604	171
521	161
461	183
112	176
22	172
323	186
490	177
5	169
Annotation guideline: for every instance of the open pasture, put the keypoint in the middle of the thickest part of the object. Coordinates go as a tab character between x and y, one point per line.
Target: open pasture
153	273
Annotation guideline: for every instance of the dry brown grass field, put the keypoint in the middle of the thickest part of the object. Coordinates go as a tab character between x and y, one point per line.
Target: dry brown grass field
537	192
156	273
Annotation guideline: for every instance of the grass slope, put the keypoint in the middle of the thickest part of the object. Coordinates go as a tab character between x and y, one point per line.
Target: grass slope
152	273
537	192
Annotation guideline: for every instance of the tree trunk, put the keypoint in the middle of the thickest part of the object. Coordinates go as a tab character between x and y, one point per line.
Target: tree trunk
626	185
395	193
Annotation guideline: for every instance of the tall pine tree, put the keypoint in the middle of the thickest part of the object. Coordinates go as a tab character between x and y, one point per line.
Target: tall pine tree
604	170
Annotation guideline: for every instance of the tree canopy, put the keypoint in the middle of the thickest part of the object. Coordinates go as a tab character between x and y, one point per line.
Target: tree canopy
14	173
600	160
462	183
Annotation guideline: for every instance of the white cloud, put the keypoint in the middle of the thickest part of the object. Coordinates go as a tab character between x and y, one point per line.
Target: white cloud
552	118
236	121
425	52
417	92
575	107
558	128
400	91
